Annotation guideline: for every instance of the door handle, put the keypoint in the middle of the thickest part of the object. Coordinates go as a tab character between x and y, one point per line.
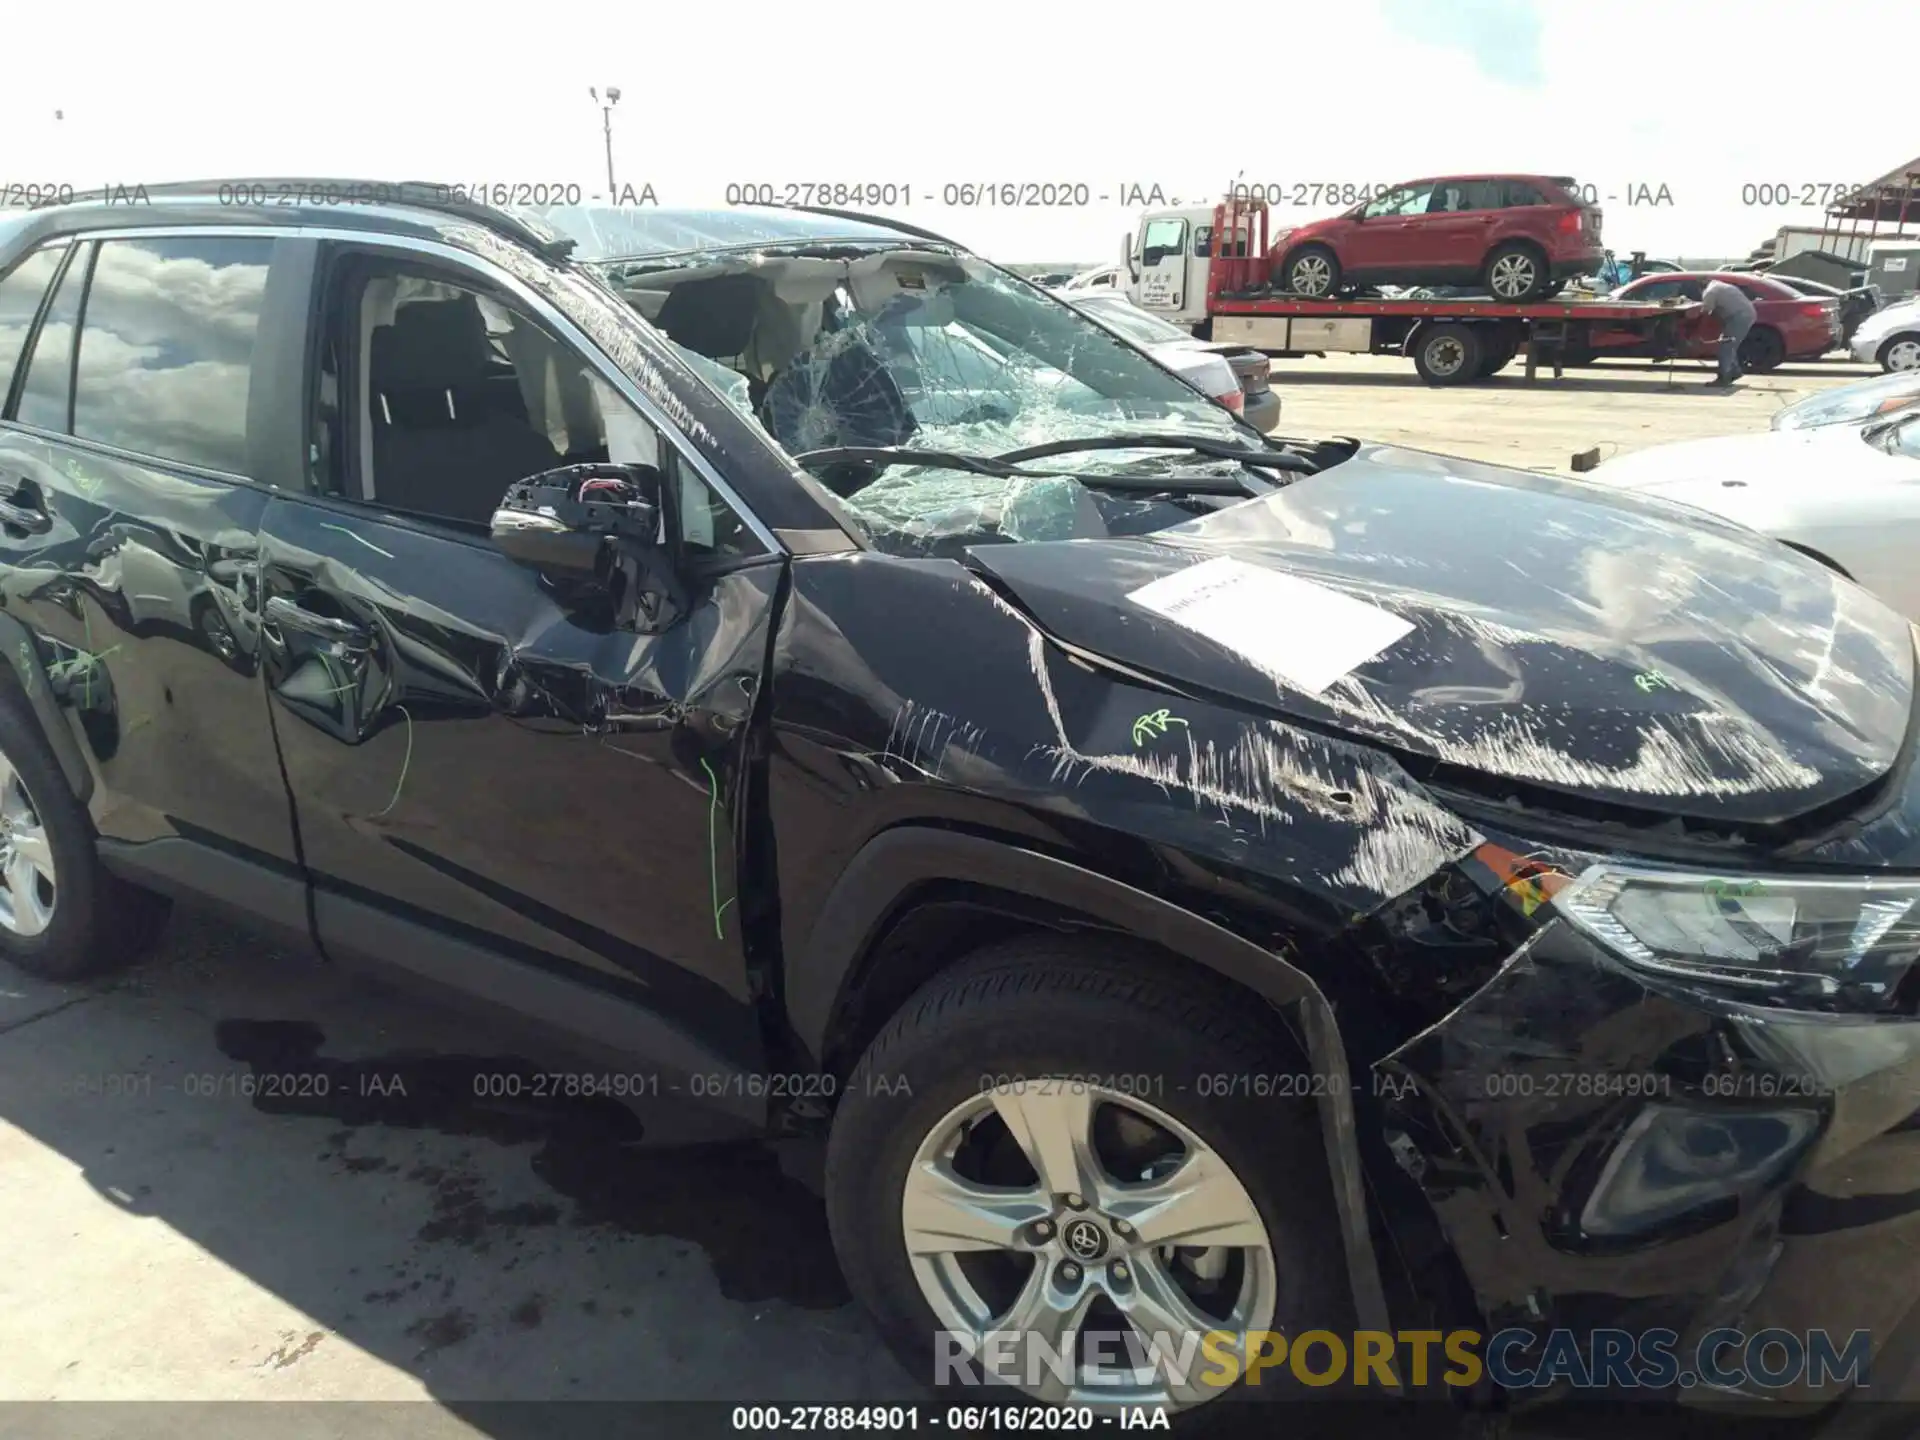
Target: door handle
21	507
282	611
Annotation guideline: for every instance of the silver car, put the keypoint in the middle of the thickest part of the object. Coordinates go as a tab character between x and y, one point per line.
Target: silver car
1856	403
1231	374
1890	338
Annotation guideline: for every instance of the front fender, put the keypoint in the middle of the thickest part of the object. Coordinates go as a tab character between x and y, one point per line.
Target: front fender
886	871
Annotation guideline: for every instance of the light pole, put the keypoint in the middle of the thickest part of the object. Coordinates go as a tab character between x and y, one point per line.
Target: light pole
606	127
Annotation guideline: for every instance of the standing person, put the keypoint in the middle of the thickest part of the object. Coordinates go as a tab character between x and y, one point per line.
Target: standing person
1727	304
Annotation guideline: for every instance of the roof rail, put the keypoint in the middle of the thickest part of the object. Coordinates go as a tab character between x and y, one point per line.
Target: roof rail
420	194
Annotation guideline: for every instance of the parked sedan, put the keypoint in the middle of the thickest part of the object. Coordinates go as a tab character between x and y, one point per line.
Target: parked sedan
1514	237
1855	304
1787	325
1231	374
1890	338
1848	495
1851	404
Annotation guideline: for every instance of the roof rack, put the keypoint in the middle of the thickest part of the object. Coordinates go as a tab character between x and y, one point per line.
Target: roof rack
418	194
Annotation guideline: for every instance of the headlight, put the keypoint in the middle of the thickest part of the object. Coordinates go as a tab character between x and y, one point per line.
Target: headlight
1773	937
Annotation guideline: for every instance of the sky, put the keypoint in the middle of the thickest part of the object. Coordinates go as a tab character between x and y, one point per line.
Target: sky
1687	109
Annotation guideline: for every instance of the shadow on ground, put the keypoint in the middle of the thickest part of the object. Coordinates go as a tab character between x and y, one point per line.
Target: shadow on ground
396	1199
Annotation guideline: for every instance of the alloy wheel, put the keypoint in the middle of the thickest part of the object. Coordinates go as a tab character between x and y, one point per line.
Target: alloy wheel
27	888
1076	1231
1311	275
1512	276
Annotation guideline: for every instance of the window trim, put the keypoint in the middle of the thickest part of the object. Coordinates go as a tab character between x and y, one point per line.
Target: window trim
17	381
484	275
92	239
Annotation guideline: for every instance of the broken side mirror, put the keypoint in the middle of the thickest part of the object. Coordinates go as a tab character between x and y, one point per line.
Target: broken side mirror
601	528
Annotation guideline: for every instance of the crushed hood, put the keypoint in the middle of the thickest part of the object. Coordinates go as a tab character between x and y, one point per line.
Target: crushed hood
1562	634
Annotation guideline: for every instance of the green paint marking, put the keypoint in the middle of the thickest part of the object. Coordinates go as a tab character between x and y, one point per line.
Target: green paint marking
353	535
405	762
1153	724
713	848
1725	891
27	667
1651	680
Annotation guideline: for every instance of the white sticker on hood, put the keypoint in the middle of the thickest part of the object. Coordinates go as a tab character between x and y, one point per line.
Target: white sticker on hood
1295	630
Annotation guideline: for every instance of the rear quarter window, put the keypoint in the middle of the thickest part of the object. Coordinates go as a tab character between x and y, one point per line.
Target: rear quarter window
21	291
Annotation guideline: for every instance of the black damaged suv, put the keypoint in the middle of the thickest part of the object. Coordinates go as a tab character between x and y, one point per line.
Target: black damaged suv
1204	883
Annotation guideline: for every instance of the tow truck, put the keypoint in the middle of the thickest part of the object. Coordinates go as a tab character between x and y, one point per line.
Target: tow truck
1209	271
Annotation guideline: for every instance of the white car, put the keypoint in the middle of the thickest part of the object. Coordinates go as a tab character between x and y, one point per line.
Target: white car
1232	375
1890	338
1853	404
1848	495
1101	278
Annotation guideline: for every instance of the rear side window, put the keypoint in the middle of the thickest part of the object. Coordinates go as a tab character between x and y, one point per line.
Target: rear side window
20	296
1519	192
44	396
166	351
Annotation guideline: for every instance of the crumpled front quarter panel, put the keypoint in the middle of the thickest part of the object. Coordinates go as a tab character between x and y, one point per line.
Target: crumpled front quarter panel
908	690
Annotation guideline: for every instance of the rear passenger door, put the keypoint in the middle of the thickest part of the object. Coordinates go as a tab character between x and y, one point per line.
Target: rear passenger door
1455	233
155	376
500	786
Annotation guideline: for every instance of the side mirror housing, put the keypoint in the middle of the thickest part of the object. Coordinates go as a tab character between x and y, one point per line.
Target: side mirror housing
596	525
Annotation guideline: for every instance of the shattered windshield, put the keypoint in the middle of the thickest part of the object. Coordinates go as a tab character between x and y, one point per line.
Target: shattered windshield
861	345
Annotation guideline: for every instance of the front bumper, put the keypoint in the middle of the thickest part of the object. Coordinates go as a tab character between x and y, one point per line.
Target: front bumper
1542	1123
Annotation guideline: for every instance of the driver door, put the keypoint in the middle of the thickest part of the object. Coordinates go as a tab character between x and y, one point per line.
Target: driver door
1163	265
1385	232
496	784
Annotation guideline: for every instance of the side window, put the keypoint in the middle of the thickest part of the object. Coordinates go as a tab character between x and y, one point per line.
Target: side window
1203	240
20	295
166	347
1412	201
1454	195
459	394
1659	290
1163	238
45	397
1518	192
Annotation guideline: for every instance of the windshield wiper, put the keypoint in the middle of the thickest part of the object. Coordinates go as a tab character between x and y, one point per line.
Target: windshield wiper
1200	444
1001	468
902	455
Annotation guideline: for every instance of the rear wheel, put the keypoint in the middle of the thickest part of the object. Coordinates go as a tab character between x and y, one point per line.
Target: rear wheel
62	916
1447	354
1902	352
1037	1163
1313	272
1497	353
1515	272
1762	350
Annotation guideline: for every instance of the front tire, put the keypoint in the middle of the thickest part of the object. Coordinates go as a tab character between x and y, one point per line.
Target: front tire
62	917
1312	273
1020	1150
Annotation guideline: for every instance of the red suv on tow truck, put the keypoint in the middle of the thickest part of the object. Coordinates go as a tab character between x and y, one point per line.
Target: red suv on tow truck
1520	237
